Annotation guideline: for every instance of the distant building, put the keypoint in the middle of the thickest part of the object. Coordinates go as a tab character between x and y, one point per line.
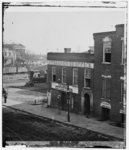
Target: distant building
13	52
13	58
9	56
109	78
19	50
73	70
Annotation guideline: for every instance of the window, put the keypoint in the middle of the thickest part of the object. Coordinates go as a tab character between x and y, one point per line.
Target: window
122	89
87	78
75	76
107	50
53	74
106	88
123	93
123	52
63	75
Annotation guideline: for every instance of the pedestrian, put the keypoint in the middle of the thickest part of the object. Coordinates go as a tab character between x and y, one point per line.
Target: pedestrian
87	115
59	105
87	112
4	95
48	99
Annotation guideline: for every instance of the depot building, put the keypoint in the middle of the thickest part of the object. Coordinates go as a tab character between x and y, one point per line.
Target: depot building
92	82
70	76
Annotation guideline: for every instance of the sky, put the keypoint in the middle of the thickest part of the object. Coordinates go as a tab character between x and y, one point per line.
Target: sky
52	30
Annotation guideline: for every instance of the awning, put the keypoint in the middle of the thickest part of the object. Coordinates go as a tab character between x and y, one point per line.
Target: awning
105	105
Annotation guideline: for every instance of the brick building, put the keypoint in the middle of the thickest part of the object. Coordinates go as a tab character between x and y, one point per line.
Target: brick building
109	75
73	71
97	81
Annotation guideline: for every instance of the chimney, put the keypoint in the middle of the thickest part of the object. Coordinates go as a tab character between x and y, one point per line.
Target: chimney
120	29
91	50
67	50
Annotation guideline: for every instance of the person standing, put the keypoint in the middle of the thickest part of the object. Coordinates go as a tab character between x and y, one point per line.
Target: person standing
48	99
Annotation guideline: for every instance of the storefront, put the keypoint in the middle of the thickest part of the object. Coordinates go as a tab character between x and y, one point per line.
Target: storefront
62	94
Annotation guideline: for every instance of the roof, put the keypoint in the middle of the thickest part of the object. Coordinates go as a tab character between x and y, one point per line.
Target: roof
101	33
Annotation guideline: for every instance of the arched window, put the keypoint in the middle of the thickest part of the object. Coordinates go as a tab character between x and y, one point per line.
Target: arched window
53	74
107	49
87	78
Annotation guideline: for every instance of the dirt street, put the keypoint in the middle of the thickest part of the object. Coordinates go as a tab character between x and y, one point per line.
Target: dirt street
19	126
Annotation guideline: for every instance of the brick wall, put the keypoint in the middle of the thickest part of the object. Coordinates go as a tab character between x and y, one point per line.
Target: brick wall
76	97
115	69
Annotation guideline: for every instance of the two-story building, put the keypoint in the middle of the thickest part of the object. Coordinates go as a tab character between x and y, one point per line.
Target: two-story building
109	75
73	71
97	82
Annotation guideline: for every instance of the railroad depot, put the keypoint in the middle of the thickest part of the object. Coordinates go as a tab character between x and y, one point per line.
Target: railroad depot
93	83
71	73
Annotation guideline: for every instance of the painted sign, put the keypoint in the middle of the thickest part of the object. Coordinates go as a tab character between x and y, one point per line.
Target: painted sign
71	64
63	87
74	89
105	105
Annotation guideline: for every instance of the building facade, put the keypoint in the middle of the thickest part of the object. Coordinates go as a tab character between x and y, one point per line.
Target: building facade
13	52
109	77
70	76
13	58
97	82
9	56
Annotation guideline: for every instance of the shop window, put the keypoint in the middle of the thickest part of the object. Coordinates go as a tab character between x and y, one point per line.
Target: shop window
75	76
107	50
63	75
87	78
53	74
106	88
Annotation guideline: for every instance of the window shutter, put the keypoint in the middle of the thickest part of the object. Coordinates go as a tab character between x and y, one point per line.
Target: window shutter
108	88
103	88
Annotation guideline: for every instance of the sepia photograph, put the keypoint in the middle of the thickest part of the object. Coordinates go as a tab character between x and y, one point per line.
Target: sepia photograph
64	74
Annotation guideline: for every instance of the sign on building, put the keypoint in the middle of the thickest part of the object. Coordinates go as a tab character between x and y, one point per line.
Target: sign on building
63	87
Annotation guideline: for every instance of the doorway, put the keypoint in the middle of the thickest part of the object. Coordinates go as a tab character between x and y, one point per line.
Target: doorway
64	100
86	104
122	118
105	114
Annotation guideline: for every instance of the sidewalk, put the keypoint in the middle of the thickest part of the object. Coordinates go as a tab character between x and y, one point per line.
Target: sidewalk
75	119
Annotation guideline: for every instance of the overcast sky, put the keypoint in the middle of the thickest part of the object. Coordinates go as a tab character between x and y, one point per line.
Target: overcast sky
49	31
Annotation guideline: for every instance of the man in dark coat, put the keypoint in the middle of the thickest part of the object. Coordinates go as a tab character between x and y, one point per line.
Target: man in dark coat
4	95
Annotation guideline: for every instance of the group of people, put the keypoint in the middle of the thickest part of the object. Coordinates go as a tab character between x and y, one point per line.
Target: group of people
4	94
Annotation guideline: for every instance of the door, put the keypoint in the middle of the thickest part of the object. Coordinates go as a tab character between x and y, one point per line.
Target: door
87	104
105	113
64	101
